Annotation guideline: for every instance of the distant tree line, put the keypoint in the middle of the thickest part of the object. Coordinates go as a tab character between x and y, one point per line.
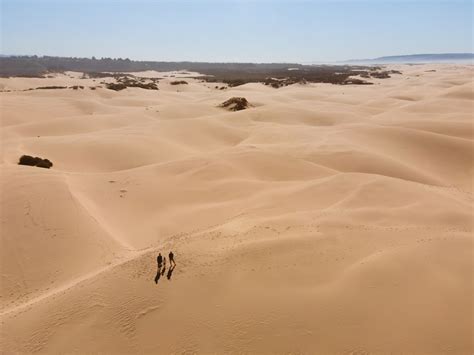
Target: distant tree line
233	74
36	66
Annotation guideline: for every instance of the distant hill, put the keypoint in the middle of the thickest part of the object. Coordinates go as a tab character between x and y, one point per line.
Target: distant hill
419	58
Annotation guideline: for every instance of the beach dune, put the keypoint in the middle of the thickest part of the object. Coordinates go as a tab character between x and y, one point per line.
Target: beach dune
321	219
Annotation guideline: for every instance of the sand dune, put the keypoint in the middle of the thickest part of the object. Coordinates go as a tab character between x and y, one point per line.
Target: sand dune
323	219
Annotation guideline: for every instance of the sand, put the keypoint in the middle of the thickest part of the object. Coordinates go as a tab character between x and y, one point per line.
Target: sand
323	219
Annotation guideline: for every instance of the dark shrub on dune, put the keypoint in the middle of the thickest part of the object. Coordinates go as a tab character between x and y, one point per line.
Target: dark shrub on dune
35	161
115	86
234	82
130	82
380	75
236	104
50	87
147	86
179	82
28	160
45	163
278	83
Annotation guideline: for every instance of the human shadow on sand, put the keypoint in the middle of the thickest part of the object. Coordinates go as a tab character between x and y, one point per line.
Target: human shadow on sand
170	272
162	270
158	275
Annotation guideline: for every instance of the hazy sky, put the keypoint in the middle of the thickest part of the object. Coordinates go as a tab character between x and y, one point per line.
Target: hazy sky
224	30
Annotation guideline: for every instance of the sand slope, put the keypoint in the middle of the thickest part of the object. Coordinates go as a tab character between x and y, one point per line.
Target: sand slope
324	219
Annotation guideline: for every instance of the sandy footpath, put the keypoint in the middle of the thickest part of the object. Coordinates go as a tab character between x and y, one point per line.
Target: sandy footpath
323	219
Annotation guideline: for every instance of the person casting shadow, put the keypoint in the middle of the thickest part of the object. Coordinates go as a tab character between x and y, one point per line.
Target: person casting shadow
171	257
170	272
159	260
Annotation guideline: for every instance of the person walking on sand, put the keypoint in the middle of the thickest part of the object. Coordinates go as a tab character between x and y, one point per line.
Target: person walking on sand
159	260
171	257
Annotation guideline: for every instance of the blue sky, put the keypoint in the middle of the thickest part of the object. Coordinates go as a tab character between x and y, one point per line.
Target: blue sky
235	31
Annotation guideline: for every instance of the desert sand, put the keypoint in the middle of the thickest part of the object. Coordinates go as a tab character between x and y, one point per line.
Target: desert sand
323	219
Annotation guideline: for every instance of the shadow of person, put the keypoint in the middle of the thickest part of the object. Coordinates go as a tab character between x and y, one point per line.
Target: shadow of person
170	272
158	275
163	270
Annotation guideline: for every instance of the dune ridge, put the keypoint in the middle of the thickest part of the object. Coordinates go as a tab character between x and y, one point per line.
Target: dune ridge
321	219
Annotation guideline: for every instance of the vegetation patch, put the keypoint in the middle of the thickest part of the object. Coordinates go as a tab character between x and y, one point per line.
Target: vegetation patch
129	81
50	87
383	74
115	86
35	161
179	82
235	104
234	74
